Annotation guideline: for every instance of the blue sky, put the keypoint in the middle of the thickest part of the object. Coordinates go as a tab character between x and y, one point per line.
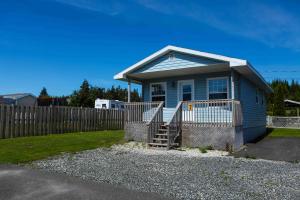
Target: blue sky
58	43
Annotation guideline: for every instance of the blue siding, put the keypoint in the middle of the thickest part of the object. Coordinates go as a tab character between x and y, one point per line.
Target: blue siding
254	113
180	61
200	88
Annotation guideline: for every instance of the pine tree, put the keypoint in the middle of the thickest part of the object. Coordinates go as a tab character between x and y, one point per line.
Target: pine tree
278	108
44	93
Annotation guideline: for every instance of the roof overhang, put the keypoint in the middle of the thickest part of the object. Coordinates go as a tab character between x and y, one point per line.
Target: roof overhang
291	103
241	66
178	72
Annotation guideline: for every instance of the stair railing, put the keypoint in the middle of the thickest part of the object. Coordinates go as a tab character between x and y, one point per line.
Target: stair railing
155	122
174	125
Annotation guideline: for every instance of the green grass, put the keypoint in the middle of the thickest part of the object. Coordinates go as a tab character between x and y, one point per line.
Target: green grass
283	132
27	149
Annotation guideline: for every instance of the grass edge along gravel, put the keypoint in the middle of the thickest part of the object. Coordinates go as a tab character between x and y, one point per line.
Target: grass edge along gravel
28	149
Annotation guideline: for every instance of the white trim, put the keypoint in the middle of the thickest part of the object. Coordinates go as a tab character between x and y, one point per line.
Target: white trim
150	95
233	62
165	50
192	81
216	78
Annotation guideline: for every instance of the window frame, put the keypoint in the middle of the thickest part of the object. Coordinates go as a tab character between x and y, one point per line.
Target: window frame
165	85
257	96
192	81
217	78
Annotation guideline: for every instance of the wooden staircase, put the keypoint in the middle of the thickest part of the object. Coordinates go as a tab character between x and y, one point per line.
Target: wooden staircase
160	139
165	127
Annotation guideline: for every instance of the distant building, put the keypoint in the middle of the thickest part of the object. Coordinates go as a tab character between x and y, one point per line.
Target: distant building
21	99
52	101
109	104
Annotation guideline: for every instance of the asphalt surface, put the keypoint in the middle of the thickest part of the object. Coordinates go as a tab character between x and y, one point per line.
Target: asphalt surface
20	183
279	149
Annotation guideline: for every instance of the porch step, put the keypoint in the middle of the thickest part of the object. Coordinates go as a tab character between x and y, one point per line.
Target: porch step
158	144
161	134
162	130
160	139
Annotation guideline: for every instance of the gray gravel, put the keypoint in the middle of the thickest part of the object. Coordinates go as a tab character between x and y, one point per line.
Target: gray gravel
182	176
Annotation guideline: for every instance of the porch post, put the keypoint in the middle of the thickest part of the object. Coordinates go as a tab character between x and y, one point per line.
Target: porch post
232	85
129	91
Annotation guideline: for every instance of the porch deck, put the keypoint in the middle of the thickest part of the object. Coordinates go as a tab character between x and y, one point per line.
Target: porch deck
163	126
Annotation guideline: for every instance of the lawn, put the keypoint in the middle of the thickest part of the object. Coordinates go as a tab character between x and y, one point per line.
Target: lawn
283	132
27	149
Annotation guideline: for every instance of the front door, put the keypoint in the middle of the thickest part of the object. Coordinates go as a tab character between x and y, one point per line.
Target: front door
186	90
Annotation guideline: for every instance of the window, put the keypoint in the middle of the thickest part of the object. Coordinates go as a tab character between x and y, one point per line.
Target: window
262	98
256	96
218	88
104	105
113	106
158	91
187	92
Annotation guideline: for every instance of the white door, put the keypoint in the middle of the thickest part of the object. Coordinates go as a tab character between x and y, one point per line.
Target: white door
186	90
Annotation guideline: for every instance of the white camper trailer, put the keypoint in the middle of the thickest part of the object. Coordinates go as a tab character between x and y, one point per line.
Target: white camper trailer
109	104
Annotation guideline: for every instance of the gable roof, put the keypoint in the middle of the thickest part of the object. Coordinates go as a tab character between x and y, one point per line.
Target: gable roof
16	96
240	65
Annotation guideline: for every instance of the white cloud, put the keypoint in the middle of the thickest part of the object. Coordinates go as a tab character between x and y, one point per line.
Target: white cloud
107	7
266	23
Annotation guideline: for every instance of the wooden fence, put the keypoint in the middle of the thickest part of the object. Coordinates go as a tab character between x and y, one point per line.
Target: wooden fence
19	121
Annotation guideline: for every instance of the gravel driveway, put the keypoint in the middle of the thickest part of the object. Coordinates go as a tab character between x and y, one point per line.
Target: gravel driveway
183	174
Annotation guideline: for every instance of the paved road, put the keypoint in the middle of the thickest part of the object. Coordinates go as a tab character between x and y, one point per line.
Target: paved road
20	183
281	149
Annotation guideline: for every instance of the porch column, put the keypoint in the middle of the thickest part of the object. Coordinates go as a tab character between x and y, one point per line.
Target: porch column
129	91
232	85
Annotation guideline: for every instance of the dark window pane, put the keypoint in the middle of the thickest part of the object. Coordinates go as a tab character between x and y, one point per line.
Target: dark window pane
187	97
187	88
159	98
218	96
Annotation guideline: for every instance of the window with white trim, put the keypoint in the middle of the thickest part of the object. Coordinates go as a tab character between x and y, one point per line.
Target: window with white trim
218	88
158	91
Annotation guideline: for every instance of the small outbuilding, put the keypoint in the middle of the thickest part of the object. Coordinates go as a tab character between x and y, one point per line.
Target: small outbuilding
20	99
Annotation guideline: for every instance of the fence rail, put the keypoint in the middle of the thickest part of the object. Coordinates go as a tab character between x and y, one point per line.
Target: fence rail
283	122
19	121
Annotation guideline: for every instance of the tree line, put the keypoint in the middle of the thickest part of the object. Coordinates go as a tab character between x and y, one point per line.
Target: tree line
282	90
86	95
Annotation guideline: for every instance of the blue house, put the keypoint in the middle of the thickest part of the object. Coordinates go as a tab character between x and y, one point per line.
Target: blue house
192	98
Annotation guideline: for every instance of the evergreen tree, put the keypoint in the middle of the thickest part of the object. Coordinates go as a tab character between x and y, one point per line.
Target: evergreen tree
44	93
278	108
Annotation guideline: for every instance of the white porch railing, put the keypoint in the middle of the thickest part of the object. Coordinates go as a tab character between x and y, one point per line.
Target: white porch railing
212	113
140	112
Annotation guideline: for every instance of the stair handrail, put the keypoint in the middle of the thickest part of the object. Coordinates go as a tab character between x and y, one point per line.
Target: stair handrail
155	122
160	106
174	114
177	120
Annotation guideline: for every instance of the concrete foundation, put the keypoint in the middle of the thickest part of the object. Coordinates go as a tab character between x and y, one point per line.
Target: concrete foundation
223	138
136	132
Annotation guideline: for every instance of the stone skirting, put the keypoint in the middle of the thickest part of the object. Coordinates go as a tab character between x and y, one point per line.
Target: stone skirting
217	137
136	132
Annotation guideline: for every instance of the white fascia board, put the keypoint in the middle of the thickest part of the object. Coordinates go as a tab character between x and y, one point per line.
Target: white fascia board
232	61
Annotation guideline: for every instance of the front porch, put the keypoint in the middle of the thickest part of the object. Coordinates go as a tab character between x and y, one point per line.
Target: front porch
216	123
